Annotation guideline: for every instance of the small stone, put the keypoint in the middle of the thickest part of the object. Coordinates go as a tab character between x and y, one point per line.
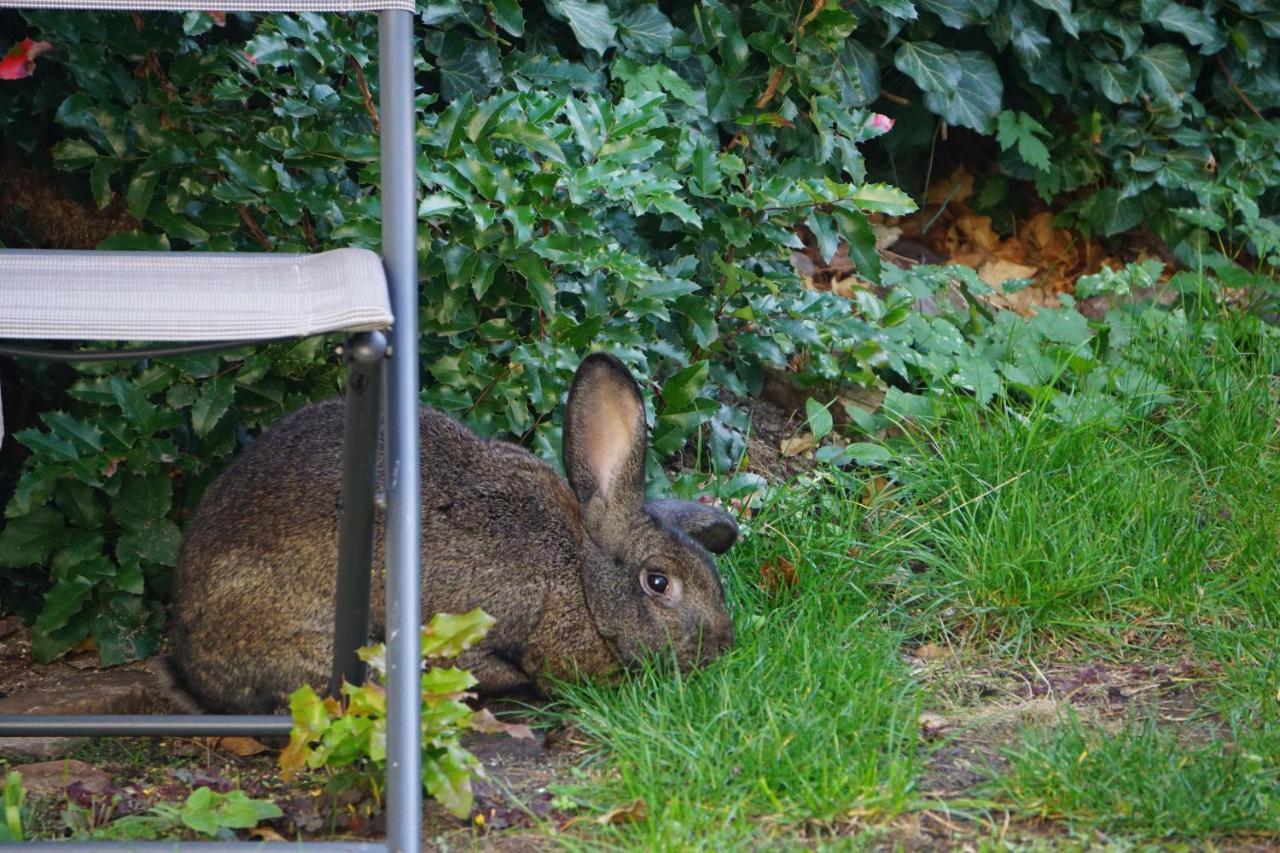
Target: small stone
118	691
54	777
42	748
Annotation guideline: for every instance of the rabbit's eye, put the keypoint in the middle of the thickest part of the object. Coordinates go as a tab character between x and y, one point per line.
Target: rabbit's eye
656	583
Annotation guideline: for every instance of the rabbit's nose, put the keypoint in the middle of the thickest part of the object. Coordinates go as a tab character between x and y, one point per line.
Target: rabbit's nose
719	639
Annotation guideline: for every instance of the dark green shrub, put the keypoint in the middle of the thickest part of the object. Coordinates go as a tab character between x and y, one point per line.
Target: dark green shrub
643	203
621	173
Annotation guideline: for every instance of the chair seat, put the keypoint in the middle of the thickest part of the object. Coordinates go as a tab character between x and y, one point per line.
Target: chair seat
189	296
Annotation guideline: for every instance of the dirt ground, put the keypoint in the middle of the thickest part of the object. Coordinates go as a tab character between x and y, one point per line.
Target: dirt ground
972	711
109	778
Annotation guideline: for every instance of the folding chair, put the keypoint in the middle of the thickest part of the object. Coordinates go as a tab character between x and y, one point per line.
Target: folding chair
177	302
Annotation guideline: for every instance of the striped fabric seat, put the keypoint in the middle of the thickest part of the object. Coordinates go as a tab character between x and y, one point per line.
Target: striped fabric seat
189	296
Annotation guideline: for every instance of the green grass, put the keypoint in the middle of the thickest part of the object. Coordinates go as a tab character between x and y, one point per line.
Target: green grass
1149	537
1144	781
810	716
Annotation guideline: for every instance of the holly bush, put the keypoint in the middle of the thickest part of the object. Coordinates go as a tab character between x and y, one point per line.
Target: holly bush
646	200
619	174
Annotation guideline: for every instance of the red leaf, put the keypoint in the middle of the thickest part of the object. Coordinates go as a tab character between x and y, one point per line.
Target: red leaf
20	61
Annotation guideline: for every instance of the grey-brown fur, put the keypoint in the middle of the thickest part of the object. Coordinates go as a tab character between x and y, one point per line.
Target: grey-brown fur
558	565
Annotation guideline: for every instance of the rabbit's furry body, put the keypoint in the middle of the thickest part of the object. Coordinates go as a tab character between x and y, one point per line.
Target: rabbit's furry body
566	570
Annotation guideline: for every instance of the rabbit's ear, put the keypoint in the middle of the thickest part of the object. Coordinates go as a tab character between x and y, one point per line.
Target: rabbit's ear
712	528
604	436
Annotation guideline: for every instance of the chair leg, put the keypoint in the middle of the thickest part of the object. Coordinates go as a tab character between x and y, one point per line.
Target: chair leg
404	545
364	356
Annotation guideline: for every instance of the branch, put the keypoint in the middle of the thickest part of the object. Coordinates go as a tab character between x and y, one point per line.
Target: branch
1231	81
363	84
254	230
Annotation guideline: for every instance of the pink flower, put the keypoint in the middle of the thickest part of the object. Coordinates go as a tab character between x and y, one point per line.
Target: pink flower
881	122
20	61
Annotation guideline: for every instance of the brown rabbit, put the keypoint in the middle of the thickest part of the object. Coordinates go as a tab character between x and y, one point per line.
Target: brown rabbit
581	577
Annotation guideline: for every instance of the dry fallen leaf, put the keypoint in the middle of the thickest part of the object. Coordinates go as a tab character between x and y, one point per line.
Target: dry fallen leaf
886	235
956	188
484	721
933	651
997	271
932	724
625	814
266	833
976	230
242	746
848	286
776	574
801	443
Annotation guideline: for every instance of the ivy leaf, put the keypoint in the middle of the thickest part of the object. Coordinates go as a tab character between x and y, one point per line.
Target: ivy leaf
933	67
591	22
646	28
1110	214
1020	129
975	100
960	13
215	398
1167	72
1118	83
1062	8
507	14
467	67
1197	25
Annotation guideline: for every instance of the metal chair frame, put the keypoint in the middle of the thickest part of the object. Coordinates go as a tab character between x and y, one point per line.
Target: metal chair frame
369	391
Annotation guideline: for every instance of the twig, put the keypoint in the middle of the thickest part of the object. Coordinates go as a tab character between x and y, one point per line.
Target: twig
256	232
1231	81
770	90
363	84
308	231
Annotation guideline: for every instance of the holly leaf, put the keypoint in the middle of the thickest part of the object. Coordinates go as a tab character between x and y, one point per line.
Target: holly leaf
29	539
448	635
214	400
